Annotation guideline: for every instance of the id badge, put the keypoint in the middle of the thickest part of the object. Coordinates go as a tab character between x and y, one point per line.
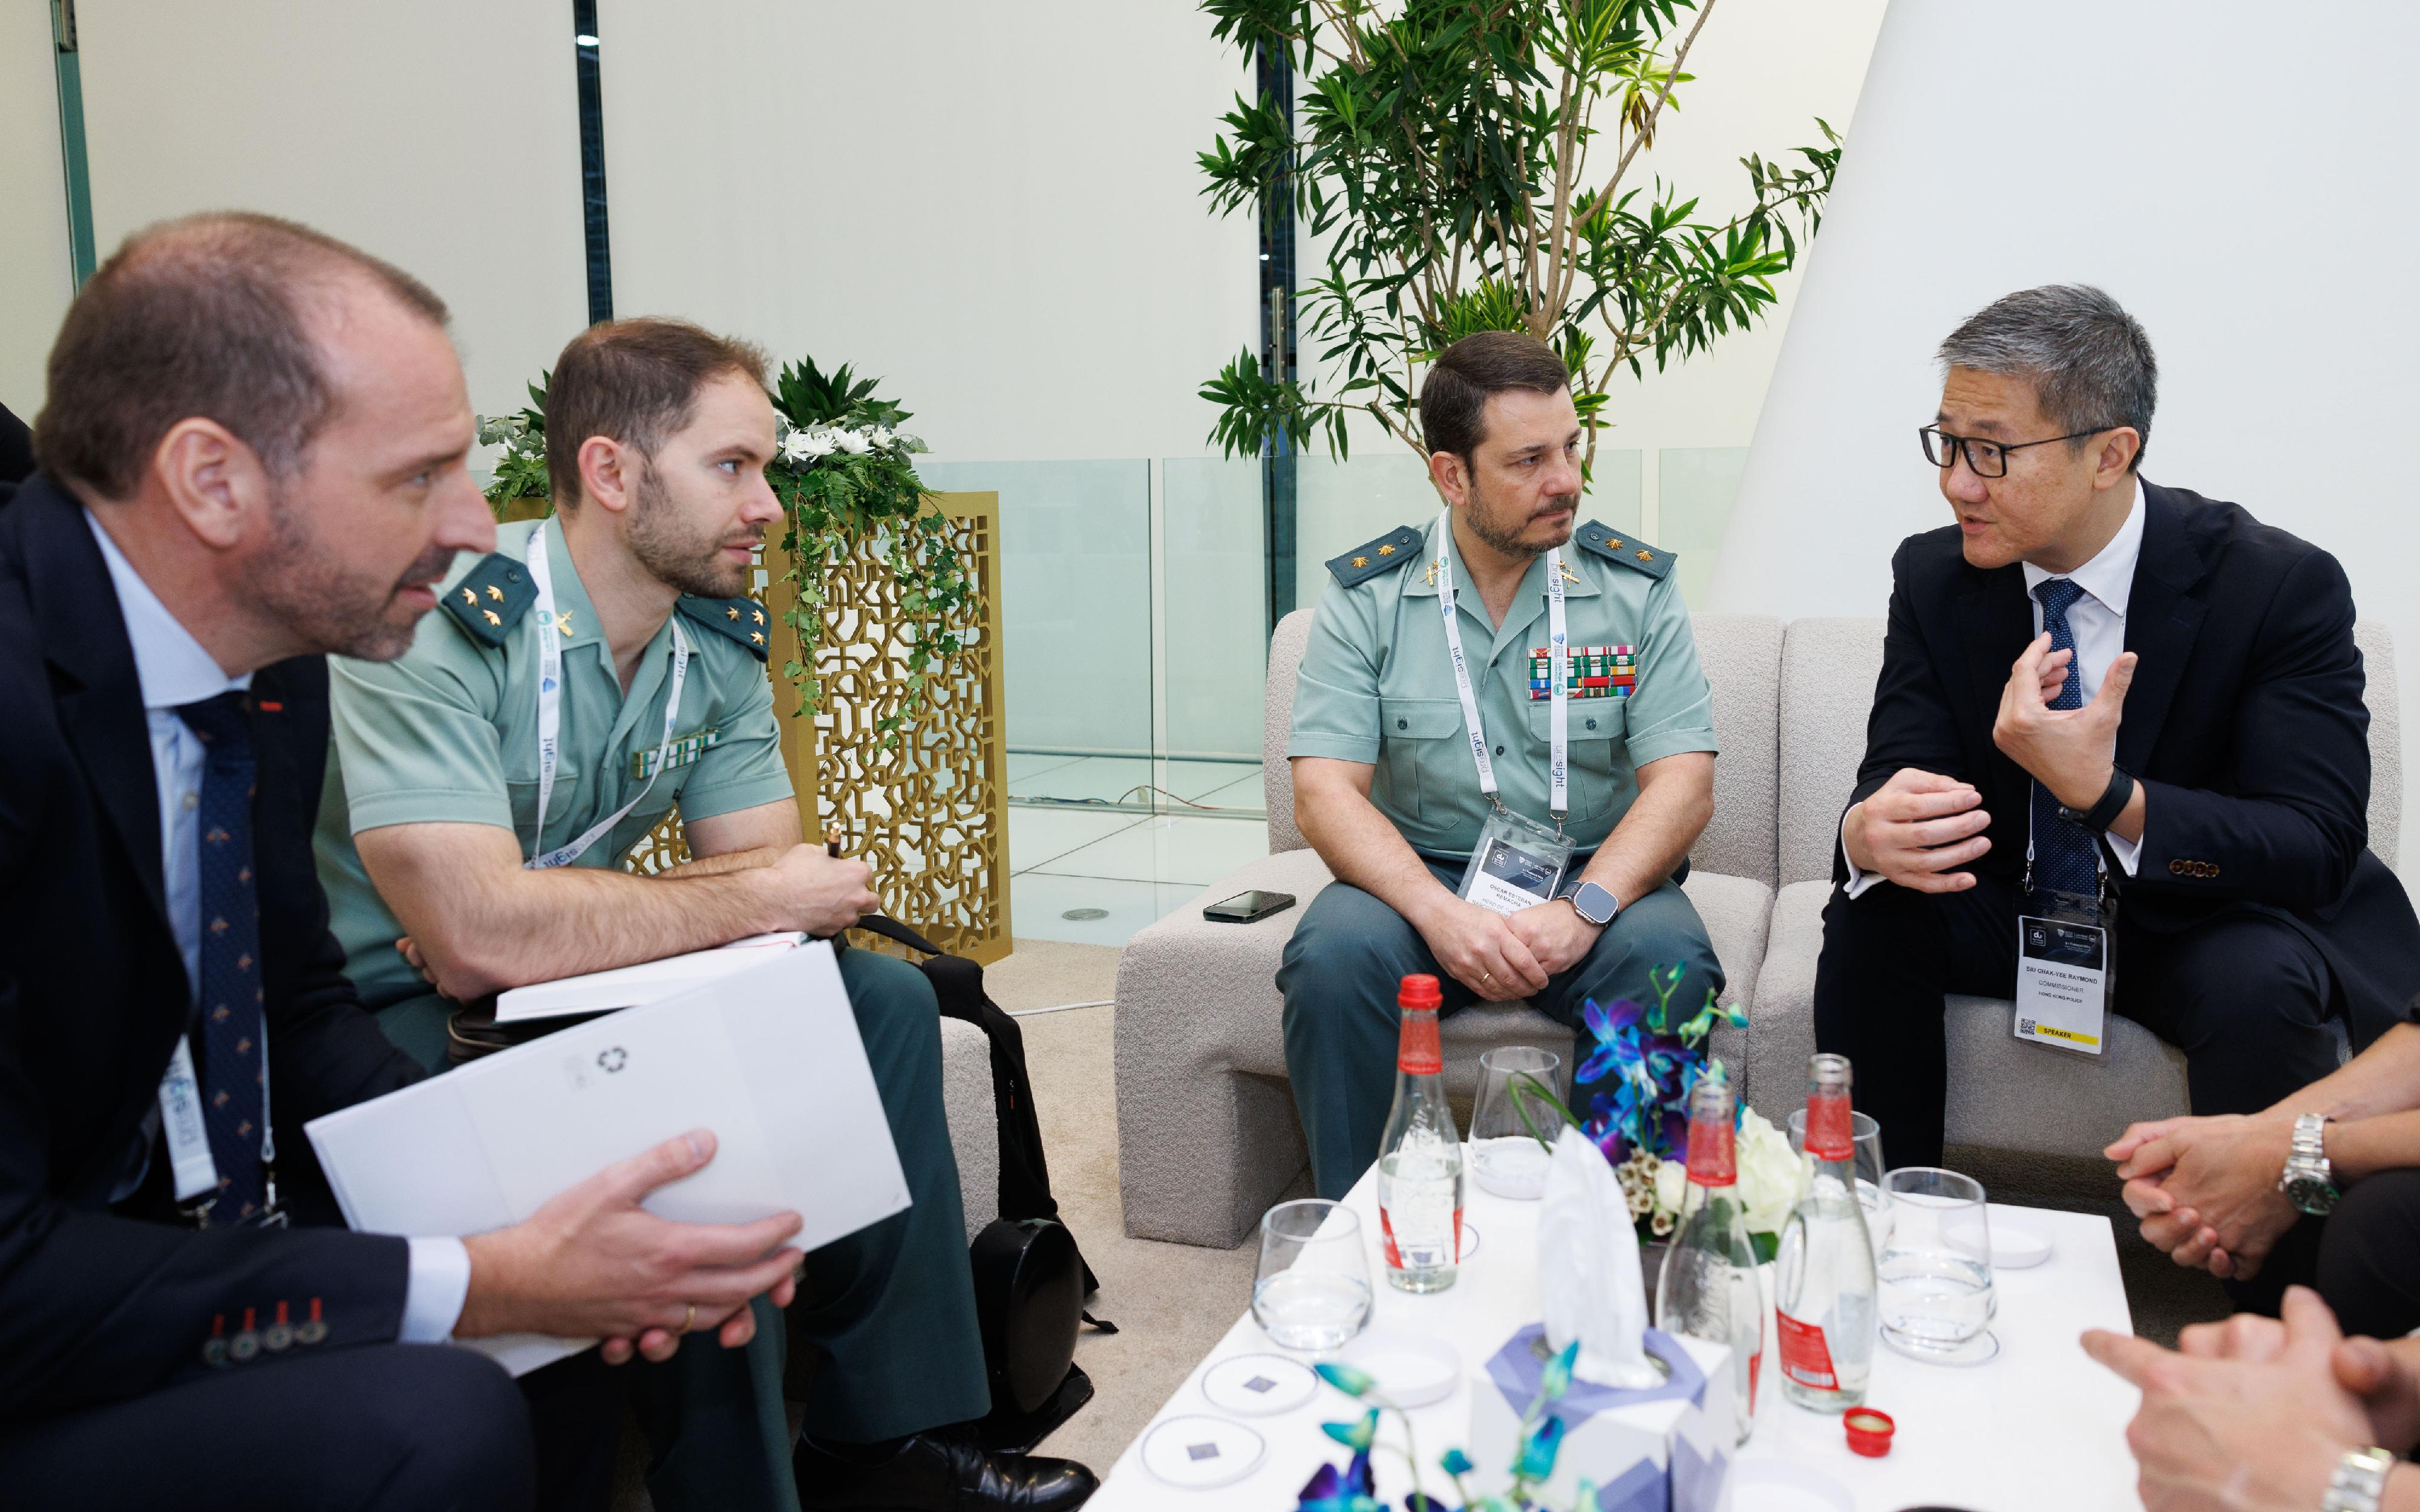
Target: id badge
2065	975
1519	864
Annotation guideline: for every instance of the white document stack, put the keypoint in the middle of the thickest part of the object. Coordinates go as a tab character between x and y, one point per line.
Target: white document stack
767	1058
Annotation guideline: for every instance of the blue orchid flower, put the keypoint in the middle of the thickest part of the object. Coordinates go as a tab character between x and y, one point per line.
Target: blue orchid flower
1538	1451
1356	1435
1330	1490
1344	1378
1456	1463
1557	1380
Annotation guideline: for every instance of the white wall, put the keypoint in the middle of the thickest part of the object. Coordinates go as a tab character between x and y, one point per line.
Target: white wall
993	207
2239	196
37	274
443	136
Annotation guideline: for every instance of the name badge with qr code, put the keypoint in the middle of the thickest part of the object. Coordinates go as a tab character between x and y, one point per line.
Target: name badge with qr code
1519	864
2062	983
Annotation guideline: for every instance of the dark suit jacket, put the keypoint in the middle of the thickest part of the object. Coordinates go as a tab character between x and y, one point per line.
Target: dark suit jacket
16	450
2245	726
96	1304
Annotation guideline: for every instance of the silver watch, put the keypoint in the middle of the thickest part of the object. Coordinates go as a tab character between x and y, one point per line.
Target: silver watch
2309	1180
2359	1481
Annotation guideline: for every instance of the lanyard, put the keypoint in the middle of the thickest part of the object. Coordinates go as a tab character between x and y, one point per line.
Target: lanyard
1557	693
550	716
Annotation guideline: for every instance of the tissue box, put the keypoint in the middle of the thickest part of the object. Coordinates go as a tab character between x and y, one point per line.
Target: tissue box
1667	1450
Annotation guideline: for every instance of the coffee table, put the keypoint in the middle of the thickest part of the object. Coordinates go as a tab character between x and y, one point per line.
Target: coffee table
2039	1425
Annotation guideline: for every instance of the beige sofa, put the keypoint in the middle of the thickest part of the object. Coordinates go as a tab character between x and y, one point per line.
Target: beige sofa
1207	1136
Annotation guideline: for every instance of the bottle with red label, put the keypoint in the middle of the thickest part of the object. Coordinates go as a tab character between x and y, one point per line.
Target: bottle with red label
1419	1158
1824	1279
1708	1287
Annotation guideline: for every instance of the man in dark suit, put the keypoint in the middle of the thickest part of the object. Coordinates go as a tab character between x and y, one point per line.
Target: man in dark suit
254	452
15	452
2090	681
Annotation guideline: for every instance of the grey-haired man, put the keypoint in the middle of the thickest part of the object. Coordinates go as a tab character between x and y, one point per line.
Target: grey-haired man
2093	685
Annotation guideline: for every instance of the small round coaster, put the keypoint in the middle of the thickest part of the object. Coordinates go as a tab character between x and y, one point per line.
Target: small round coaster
1197	1454
1983	1347
1469	1240
1258	1385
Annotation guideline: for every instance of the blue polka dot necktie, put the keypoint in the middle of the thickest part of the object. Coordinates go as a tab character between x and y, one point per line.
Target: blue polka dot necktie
233	1074
2067	857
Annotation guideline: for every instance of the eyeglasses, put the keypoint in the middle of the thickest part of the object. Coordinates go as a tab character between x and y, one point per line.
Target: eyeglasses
1989	459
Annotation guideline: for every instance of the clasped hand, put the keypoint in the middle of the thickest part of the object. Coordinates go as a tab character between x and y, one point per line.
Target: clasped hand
2068	751
1504	956
2206	1188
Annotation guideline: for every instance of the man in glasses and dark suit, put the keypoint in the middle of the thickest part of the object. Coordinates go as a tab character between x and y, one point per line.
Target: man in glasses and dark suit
2125	713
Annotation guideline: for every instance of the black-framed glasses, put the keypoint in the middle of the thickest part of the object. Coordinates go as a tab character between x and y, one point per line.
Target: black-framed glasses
1989	459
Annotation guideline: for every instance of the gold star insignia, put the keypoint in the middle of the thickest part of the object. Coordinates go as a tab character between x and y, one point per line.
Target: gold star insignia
756	615
731	613
758	636
1645	556
471	598
1386	550
1361	562
496	593
491	616
563	624
1616	545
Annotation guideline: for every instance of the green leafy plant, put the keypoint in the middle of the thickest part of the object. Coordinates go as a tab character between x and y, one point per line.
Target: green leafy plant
841	469
1455	156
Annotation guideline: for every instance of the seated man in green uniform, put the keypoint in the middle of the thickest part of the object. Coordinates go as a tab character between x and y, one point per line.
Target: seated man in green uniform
1425	725
616	638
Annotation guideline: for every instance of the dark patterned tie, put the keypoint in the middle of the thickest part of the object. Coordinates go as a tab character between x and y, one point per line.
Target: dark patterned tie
232	1077
2065	856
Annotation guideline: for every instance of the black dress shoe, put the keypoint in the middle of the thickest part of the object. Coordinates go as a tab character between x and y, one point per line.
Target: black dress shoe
937	1474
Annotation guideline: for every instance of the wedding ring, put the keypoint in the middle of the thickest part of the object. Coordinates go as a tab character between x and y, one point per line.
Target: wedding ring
1485	975
690	1319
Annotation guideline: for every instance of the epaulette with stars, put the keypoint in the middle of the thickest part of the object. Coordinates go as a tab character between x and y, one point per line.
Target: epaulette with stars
490	599
1635	555
1385	554
742	619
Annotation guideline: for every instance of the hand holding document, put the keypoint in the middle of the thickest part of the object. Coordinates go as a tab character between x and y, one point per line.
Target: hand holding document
766	1058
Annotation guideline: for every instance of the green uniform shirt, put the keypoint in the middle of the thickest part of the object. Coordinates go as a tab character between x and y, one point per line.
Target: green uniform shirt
1376	685
448	732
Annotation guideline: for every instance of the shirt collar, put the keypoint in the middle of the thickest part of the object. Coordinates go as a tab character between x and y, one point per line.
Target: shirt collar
1533	583
2109	577
570	594
171	665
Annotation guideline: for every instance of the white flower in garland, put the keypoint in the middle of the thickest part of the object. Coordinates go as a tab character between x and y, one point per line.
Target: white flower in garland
804	446
852	442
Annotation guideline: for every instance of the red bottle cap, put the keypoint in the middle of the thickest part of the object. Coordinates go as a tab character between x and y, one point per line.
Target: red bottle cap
1870	1433
1420	992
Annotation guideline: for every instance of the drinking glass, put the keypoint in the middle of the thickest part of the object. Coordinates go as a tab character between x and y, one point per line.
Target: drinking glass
1935	1270
1510	1120
1312	1288
1868	1136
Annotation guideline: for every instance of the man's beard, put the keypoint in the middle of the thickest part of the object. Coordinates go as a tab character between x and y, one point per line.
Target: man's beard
311	591
1485	522
681	557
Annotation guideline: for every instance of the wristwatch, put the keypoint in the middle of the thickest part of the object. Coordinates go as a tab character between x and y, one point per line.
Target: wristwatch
2359	1481
2105	810
1593	903
2309	1182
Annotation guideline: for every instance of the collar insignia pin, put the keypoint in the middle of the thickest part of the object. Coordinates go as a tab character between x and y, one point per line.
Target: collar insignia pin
563	624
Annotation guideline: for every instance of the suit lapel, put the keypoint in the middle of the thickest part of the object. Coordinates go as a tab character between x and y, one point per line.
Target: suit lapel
2162	623
1994	625
99	699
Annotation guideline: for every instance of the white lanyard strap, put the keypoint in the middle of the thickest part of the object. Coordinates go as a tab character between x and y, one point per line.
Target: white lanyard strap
550	718
1558	720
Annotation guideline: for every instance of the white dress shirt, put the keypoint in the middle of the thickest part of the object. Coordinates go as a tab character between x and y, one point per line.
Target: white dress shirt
174	669
2098	620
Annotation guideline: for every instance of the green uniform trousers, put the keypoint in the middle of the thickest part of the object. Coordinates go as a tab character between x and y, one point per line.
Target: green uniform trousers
881	1341
1350	954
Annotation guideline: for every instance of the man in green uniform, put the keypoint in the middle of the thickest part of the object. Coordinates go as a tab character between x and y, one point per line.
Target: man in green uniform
1402	770
601	668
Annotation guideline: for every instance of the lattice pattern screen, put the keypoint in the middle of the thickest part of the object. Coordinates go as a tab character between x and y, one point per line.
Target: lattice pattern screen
928	812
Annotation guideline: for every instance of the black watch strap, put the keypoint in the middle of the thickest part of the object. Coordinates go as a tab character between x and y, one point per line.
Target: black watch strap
2114	799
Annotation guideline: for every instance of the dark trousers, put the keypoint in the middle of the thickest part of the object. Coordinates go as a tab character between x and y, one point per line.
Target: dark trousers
1350	954
881	1341
407	1426
2245	995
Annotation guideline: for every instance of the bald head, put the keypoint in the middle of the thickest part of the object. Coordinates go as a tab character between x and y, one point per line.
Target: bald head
222	316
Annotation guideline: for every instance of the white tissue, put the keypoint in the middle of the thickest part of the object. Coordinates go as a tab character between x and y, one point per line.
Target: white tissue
1589	1277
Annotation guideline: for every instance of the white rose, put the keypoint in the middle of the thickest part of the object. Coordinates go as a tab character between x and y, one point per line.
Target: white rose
1671	1185
1769	1173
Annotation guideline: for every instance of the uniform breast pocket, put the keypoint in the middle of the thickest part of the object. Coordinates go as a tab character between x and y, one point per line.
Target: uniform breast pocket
1594	730
570	792
1419	741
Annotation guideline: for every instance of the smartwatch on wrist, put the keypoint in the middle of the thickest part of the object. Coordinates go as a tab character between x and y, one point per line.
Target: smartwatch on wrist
2309	1179
2104	812
2359	1481
1593	903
